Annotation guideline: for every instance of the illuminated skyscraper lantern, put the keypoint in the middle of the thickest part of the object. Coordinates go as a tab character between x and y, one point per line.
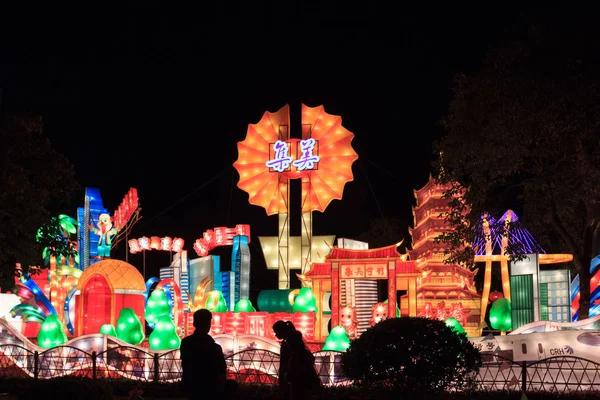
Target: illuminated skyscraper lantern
322	159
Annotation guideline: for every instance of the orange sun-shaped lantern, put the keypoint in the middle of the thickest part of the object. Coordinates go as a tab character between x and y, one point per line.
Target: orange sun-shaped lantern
322	159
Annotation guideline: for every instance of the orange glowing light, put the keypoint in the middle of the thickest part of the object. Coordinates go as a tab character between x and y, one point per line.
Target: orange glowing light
321	184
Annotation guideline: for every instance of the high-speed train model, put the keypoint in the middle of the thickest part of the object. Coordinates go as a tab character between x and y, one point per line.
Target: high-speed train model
540	345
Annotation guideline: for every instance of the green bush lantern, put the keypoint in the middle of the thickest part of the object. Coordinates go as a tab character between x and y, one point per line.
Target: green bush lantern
453	324
500	315
108	329
129	327
51	333
337	340
157	306
244	305
164	336
216	302
305	301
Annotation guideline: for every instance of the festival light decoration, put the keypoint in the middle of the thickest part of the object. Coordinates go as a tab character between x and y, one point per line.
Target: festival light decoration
215	302
269	157
164	336
220	236
500	315
155	243
156	307
244	305
304	301
51	333
108	329
337	340
129	328
453	324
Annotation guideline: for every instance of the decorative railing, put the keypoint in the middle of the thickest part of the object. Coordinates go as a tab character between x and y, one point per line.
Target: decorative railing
562	374
124	362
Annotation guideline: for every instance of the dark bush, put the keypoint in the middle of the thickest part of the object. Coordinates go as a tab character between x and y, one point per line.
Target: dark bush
417	355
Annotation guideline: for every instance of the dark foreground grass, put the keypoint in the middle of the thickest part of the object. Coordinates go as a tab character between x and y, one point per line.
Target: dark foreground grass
72	388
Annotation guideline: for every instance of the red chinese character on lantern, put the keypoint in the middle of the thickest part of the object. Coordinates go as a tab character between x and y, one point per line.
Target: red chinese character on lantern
134	246
379	271
348	271
155	243
165	243
209	237
219	236
144	243
201	247
369	271
357	271
243	230
229	234
177	245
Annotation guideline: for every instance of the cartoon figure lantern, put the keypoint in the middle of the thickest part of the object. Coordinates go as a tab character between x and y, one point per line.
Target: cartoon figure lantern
106	232
378	314
349	320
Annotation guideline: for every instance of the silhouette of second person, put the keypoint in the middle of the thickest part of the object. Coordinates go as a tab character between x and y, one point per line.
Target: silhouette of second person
202	361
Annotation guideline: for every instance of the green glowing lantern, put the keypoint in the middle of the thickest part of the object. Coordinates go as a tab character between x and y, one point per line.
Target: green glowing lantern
51	333
337	340
108	329
305	301
129	327
216	302
244	305
164	336
500	315
157	306
453	324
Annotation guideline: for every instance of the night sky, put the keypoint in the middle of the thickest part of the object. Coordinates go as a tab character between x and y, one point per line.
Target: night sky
155	98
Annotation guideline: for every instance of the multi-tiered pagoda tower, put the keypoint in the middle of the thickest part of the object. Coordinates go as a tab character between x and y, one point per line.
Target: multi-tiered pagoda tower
443	290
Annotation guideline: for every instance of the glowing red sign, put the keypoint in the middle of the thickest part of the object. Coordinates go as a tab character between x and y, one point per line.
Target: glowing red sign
155	243
220	236
126	209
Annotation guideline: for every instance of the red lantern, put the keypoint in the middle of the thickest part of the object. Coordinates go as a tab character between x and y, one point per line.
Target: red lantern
495	295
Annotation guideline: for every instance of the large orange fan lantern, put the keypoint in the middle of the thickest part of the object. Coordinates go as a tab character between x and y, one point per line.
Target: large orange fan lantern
322	159
269	158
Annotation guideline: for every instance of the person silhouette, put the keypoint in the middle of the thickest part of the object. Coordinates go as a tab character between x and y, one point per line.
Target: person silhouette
297	376
283	330
202	361
302	376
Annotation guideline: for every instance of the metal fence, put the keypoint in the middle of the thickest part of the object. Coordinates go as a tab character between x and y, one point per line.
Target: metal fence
559	375
123	362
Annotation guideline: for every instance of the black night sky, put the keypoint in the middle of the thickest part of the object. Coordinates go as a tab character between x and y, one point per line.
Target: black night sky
155	98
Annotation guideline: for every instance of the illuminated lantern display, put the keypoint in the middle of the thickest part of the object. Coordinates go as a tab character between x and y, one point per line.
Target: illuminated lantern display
164	336
453	324
129	328
305	323
275	301
108	329
157	306
51	333
106	232
442	286
244	305
337	340
269	157
215	302
305	301
349	320
235	323
257	323
500	315
105	288
495	296
379	313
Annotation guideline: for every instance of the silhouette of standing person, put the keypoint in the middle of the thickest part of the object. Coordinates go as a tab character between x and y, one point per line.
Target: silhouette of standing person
302	376
283	329
202	361
297	376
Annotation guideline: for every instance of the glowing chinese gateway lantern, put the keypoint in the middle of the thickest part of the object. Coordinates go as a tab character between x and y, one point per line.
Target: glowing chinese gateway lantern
322	159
